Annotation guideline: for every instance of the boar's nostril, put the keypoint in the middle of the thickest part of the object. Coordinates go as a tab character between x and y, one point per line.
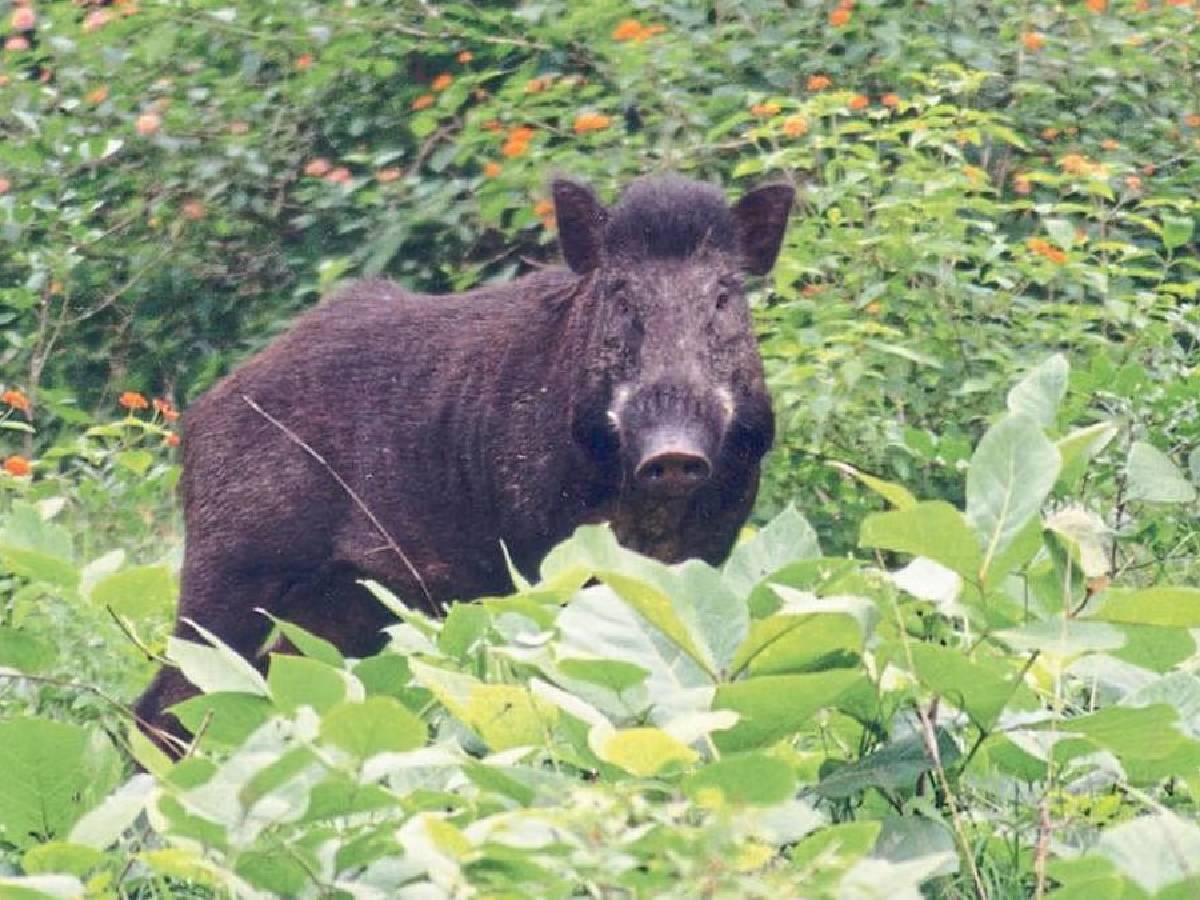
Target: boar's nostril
673	471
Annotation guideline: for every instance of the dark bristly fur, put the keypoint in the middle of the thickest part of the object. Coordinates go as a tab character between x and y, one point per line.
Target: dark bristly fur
511	413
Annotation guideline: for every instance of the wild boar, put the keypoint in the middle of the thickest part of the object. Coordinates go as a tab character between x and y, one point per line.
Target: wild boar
402	438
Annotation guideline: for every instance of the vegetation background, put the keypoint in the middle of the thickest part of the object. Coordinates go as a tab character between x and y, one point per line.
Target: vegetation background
991	194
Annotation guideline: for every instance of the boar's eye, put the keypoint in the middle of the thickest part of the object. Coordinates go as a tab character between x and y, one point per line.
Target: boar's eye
722	298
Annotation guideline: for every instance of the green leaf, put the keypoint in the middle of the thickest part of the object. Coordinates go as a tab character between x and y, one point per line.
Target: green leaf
933	529
58	856
1010	477
214	669
136	461
980	690
1176	231
750	778
1150	475
895	494
1174	607
296	681
226	718
1062	232
307	643
640	751
773	706
465	624
1154	850
1063	637
894	767
376	725
835	847
140	593
24	652
1078	448
786	539
1039	393
103	825
800	643
53	773
613	674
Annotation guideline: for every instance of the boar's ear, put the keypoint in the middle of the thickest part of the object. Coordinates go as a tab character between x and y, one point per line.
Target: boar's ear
760	219
581	219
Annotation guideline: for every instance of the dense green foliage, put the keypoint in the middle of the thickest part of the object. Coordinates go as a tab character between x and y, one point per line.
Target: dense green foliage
980	683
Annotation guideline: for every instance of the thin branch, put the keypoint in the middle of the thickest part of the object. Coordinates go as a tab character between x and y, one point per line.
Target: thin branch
350	492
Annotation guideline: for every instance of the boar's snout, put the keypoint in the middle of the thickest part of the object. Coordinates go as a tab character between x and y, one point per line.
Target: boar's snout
671	435
675	467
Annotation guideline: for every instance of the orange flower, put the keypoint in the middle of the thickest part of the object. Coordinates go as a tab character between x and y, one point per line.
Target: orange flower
819	82
318	167
521	134
543	208
193	209
1133	182
839	18
536	85
171	439
133	400
5	186
16	399
1033	41
1022	184
465	56
1044	248
873	308
1149	169
585	122
97	96
1049	134
1192	120
975	175
1096	6
163	407
147	124
442	82
890	100
23	19
633	30
1078	164
422	102
16	43
1109	144
764	110
340	175
795	126
811	290
513	148
859	101
383	176
492	169
304	61
239	127
1141	6
17	466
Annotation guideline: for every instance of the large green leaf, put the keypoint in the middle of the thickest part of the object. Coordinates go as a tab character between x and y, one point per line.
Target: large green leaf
753	778
1151	475
773	706
933	529
376	725
53	773
140	592
786	539
1010	476
1039	393
893	767
1175	607
980	690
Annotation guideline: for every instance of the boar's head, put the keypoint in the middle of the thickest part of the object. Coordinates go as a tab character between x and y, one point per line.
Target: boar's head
671	396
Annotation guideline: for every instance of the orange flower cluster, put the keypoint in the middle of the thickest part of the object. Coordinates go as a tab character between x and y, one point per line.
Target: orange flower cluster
17	466
304	61
164	408
171	439
891	101
585	122
795	126
518	142
423	102
16	399
839	18
1133	182
1078	164
1096	6
318	167
1192	120
819	82
147	124
5	186
1043	247
133	400
465	56
764	110
492	169
859	101
1022	184
23	19
635	31
97	96
1033	41
442	82
384	176
537	85
1109	144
